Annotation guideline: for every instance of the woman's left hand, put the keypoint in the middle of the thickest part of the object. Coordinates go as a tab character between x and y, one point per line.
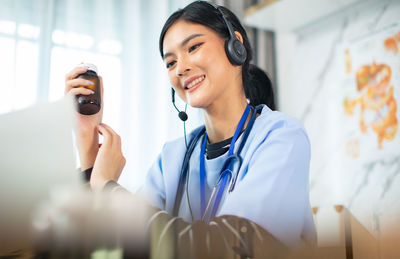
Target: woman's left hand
109	161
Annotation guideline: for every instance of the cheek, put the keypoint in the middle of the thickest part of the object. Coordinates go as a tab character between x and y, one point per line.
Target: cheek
215	63
214	56
175	82
173	79
206	58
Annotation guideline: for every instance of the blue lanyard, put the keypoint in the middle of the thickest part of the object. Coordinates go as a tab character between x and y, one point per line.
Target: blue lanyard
225	175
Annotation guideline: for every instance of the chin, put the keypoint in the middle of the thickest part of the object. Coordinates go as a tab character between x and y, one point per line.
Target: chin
197	102
200	98
195	105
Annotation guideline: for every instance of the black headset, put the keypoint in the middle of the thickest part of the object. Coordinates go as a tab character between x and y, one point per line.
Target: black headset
234	49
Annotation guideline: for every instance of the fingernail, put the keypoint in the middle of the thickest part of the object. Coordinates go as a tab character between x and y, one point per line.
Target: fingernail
91	91
90	82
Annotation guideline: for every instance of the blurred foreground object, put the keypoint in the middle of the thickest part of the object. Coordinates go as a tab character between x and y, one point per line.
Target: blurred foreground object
36	157
84	224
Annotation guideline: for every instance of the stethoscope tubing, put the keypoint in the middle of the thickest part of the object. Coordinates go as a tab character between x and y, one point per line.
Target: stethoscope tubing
184	170
227	167
227	174
213	203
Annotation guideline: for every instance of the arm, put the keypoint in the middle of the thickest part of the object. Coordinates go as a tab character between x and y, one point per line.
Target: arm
87	134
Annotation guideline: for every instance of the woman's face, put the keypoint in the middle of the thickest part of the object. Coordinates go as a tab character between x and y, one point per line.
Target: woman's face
198	67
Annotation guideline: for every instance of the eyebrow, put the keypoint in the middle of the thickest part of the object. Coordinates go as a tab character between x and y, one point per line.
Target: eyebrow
184	42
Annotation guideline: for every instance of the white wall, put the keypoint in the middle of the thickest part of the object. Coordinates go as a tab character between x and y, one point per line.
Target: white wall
347	166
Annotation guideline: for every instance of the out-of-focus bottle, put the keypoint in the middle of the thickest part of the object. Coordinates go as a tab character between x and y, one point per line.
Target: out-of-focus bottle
90	104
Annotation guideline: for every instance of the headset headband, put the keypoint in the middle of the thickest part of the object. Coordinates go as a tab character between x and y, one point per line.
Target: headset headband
234	48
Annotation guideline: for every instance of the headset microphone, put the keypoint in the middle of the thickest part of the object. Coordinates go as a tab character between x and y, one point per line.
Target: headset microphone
181	114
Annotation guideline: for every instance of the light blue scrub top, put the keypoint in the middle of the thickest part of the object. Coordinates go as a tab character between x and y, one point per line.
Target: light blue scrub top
272	186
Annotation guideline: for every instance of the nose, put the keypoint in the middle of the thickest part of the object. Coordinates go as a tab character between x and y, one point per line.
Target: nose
182	67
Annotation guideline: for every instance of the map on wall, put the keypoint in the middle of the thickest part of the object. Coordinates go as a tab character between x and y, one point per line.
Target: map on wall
372	68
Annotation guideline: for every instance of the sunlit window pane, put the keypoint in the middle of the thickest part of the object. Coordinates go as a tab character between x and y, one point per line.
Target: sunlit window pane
110	47
77	40
7	48
28	31
111	73
7	27
72	39
26	71
58	37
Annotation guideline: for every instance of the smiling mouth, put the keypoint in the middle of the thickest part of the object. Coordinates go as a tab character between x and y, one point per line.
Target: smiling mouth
195	82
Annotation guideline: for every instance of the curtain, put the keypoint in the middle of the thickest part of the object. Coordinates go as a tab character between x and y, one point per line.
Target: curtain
42	40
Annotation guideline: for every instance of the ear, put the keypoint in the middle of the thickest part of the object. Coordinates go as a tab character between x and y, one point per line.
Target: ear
239	36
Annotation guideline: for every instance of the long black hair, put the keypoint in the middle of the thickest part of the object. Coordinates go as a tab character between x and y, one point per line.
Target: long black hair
201	12
261	85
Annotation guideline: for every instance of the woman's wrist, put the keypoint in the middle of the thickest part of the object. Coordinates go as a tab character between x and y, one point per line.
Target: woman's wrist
97	183
87	158
88	148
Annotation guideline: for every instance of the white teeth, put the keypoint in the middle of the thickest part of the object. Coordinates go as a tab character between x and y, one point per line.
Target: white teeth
194	82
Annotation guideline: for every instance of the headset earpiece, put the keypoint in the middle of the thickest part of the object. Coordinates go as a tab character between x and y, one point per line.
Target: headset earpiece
235	51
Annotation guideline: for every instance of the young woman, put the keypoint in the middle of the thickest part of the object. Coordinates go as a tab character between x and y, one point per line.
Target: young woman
241	183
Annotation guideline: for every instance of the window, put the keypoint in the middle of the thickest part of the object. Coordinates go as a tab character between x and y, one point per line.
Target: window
71	48
18	65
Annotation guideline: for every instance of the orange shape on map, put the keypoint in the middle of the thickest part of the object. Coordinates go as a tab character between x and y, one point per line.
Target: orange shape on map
375	95
391	43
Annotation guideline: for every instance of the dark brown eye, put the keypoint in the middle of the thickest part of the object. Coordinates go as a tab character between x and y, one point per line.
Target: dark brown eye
170	64
195	46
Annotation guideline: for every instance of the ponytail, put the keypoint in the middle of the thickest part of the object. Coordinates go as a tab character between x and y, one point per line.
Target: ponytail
258	87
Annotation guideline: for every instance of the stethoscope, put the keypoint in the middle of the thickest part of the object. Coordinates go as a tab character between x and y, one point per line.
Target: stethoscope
226	176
